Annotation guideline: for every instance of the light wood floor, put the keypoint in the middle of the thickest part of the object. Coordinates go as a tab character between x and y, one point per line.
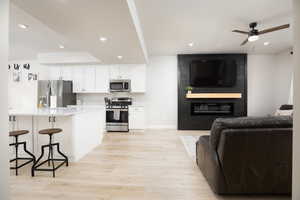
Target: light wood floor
151	165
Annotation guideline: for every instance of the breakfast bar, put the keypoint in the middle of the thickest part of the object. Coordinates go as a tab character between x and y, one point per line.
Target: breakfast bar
82	128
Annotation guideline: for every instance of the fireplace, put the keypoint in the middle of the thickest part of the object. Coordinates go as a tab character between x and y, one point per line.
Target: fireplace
219	84
212	108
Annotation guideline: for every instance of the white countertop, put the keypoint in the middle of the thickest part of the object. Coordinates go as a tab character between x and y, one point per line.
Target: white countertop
69	111
47	111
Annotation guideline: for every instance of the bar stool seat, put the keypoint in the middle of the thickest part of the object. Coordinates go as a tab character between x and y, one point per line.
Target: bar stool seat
18	133
16	144
50	131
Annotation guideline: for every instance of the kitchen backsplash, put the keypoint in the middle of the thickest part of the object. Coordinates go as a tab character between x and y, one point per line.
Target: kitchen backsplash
98	99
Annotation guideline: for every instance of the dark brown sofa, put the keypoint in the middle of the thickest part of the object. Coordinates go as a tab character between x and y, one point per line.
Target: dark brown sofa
248	155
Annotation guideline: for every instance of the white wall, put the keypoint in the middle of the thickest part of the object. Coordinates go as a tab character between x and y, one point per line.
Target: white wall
26	90
261	85
161	95
269	82
296	140
284	76
4	167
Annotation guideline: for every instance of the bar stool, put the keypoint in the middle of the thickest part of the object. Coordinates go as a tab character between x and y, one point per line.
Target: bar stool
16	135
36	167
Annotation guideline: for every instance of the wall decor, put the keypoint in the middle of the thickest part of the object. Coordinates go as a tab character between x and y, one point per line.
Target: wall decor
32	77
16	76
26	66
16	66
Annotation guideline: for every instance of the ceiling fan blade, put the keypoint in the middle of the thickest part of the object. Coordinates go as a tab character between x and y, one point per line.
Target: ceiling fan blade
242	32
245	42
277	28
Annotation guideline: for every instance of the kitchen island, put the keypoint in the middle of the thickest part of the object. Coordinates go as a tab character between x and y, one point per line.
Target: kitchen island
83	128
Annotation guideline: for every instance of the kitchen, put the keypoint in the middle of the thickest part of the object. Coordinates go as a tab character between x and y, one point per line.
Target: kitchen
105	71
91	84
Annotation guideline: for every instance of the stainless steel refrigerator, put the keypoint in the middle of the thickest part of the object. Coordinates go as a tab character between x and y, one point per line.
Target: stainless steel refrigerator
56	93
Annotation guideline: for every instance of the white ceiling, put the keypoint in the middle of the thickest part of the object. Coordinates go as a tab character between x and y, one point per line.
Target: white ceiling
167	26
82	23
25	44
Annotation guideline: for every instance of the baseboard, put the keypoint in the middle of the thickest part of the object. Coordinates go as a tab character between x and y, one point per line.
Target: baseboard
172	127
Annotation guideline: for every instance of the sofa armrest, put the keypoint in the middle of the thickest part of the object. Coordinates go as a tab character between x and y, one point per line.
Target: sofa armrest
208	162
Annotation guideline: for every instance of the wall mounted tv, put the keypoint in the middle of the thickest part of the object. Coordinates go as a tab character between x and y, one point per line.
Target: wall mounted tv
213	73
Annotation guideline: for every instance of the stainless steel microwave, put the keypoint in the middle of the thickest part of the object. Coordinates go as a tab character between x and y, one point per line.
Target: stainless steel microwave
120	85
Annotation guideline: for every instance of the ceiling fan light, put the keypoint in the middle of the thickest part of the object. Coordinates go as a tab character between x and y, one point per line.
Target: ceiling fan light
253	38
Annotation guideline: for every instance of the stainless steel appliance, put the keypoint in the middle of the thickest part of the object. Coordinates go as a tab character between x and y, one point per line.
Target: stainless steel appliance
120	85
117	114
56	92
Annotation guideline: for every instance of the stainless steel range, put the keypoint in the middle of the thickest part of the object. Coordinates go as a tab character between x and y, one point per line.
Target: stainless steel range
117	114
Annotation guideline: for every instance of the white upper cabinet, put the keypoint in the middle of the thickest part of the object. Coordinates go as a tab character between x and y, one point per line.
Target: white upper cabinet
55	73
138	78
61	72
95	78
120	72
67	73
102	79
114	72
125	71
77	79
89	79
83	79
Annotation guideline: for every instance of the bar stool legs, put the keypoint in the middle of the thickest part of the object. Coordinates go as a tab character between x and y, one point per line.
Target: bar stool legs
17	158
51	160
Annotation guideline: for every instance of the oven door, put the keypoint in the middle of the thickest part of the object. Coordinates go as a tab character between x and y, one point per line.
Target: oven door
116	86
119	116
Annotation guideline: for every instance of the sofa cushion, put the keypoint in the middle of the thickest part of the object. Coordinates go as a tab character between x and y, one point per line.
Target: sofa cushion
221	124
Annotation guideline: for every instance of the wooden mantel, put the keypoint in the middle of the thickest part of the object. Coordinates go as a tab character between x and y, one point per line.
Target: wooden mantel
214	95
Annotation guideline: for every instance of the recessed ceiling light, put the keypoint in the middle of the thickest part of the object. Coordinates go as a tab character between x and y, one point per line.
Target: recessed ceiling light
266	43
120	57
61	46
103	39
191	44
23	26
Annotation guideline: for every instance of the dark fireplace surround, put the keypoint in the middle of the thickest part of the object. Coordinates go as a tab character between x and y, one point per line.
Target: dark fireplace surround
199	114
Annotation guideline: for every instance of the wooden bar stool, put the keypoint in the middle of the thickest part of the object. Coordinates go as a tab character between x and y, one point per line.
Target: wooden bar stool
36	167
16	135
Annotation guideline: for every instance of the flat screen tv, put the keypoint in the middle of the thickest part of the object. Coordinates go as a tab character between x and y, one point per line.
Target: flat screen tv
213	73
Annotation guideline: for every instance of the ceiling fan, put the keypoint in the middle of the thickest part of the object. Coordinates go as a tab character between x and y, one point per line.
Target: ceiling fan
253	33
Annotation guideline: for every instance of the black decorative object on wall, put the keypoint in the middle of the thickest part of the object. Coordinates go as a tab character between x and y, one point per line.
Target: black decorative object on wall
26	66
199	113
16	66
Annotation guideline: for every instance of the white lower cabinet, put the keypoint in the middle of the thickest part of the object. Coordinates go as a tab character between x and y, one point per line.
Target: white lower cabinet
136	117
